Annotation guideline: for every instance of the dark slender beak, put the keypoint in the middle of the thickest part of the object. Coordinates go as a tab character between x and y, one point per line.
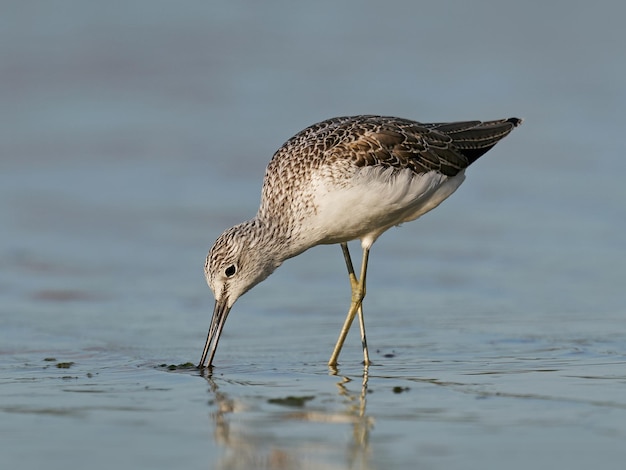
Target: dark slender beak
220	313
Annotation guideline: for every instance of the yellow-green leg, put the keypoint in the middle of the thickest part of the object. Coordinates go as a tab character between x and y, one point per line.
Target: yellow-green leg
358	293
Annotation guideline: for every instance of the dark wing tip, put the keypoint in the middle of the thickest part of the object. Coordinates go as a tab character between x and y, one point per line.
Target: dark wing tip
515	121
474	145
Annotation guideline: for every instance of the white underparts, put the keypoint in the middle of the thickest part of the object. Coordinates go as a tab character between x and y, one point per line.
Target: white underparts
374	200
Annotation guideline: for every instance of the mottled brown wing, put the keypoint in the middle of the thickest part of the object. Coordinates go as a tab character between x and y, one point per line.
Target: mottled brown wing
400	143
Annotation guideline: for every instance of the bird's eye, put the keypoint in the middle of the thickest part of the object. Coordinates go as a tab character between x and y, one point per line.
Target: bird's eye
230	270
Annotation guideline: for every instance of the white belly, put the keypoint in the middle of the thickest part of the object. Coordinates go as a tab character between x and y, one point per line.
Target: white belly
373	201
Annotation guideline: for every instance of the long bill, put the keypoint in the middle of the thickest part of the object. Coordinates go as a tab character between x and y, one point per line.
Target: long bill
220	313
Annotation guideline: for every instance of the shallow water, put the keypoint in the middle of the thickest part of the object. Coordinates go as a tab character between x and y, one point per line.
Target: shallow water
135	132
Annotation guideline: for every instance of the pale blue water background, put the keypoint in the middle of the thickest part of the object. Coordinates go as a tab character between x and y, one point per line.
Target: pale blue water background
133	132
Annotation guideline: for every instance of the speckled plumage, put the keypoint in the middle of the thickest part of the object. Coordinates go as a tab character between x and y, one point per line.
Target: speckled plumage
338	148
338	180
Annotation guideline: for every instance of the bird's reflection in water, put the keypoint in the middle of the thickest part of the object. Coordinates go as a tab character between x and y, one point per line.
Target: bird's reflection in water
249	430
360	451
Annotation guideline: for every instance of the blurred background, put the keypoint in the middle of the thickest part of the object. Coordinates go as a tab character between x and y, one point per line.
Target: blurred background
132	133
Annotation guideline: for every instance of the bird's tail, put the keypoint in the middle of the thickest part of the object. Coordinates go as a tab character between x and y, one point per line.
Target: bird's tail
475	138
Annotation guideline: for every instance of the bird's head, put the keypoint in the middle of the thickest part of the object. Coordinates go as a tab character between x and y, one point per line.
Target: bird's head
239	259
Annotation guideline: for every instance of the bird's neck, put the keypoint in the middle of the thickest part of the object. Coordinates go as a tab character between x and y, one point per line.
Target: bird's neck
278	240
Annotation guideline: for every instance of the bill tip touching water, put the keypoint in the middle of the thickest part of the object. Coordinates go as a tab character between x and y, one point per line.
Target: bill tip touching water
339	180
